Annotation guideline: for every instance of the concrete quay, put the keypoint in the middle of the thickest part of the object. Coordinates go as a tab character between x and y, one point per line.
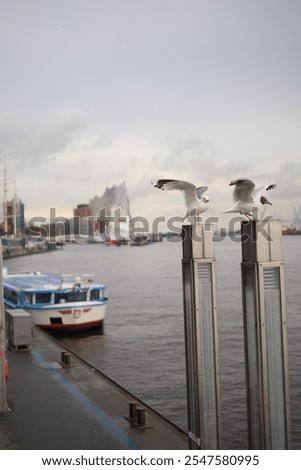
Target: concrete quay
53	407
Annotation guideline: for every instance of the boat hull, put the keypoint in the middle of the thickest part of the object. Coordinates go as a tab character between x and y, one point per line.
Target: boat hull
71	317
73	329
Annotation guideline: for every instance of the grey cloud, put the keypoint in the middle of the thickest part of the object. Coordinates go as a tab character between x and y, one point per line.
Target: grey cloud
32	143
12	130
288	180
191	156
236	168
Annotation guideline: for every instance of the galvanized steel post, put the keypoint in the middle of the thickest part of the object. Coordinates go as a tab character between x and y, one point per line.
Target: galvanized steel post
3	402
201	337
265	330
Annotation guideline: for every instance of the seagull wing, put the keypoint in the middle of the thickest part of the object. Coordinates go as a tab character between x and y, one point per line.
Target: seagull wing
201	191
243	190
188	190
257	192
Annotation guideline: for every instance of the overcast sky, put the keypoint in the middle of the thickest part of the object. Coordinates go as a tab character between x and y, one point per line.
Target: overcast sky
94	92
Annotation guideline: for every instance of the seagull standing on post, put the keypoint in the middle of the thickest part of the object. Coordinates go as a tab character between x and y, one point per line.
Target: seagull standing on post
248	199
195	201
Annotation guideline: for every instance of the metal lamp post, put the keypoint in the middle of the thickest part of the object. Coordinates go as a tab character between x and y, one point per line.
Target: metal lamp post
265	330
201	338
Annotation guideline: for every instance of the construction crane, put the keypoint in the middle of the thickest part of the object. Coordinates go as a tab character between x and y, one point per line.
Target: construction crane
297	218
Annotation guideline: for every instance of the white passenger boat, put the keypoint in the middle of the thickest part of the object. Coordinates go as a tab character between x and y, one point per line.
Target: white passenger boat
57	303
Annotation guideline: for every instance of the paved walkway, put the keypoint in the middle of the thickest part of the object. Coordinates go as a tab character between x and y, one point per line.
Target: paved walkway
72	408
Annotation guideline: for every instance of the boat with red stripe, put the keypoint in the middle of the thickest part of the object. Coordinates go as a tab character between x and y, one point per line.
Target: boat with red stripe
57	303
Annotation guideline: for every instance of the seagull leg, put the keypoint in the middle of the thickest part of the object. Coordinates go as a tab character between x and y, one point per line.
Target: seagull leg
249	216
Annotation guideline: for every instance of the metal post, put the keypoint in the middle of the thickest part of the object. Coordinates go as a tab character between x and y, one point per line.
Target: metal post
3	402
133	411
265	330
201	337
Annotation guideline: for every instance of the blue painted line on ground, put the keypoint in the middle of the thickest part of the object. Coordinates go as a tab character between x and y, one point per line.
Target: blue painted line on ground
96	412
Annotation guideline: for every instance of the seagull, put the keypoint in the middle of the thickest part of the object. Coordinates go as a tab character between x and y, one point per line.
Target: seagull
248	199
196	202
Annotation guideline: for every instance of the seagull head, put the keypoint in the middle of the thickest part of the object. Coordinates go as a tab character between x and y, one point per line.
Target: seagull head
237	181
205	199
264	200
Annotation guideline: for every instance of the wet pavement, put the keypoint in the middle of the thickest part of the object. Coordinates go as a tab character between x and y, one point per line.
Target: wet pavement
77	407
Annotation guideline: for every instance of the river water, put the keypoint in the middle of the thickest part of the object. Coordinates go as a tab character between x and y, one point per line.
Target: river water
142	347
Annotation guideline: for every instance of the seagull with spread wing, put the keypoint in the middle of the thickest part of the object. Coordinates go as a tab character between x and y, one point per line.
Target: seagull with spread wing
247	198
195	201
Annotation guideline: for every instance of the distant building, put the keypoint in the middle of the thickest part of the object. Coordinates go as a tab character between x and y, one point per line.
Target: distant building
82	225
113	198
13	220
82	210
90	218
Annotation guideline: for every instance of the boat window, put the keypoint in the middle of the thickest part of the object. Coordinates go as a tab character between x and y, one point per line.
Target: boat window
78	295
11	295
95	294
59	298
28	298
43	298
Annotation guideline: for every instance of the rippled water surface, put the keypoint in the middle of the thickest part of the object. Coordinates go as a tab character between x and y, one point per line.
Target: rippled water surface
142	347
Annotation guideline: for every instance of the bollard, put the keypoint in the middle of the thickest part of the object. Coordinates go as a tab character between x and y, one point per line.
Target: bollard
265	332
133	412
140	417
137	417
66	359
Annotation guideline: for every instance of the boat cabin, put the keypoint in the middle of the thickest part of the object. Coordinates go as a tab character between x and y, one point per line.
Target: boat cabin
35	289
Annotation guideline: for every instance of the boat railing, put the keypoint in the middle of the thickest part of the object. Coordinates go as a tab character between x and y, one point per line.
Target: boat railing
70	279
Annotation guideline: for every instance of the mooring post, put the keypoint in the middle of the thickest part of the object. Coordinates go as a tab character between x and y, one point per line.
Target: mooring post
265	331
3	402
201	337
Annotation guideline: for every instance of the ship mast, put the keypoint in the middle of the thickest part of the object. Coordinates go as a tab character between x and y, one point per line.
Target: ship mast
12	214
5	196
15	208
